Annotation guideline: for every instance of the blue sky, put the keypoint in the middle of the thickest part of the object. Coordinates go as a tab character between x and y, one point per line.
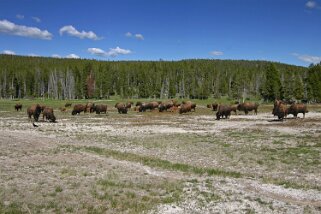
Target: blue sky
287	31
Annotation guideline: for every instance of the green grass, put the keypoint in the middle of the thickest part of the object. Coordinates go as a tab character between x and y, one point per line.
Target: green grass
156	162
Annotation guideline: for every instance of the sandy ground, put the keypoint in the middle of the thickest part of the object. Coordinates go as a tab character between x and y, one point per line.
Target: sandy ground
279	161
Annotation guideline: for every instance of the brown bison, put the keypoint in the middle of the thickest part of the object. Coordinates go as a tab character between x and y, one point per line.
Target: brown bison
148	106
100	109
223	111
280	109
295	109
34	111
121	107
129	104
193	105
42	107
78	108
165	106
89	107
247	106
68	105
18	106
213	106
185	107
48	113
234	108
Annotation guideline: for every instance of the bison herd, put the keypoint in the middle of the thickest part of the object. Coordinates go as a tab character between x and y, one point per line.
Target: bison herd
281	109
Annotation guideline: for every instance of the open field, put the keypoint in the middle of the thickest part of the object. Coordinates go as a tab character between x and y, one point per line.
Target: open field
159	162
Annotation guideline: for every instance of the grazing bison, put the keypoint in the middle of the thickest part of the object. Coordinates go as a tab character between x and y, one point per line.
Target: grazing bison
42	107
68	105
89	107
185	107
129	104
234	108
213	106
148	106
34	111
247	106
280	109
100	109
193	105
121	107
165	106
223	111
18	106
48	113
295	109
78	108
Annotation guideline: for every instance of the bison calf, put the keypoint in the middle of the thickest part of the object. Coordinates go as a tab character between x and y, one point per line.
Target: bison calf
18	106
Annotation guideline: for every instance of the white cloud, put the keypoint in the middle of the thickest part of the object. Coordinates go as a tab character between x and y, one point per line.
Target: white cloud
97	51
113	52
129	34
32	54
136	36
311	4
72	56
308	58
56	56
8	52
71	31
216	53
139	36
19	16
36	19
8	27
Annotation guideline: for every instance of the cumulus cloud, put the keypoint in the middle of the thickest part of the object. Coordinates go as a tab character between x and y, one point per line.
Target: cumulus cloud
8	52
8	27
139	36
36	19
72	56
19	16
311	4
129	34
308	58
56	56
71	31
216	53
136	36
113	52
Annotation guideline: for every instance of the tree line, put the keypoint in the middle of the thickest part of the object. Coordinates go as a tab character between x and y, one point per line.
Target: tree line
55	78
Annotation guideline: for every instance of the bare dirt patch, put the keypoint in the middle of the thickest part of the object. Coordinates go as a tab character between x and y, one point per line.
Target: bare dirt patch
42	171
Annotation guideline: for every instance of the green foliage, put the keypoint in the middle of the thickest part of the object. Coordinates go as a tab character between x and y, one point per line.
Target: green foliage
25	77
272	88
314	83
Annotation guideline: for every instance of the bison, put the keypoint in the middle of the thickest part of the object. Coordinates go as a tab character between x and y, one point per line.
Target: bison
18	106
48	113
129	104
68	105
148	106
121	107
100	109
34	111
247	106
165	106
213	106
295	109
89	107
193	105
280	109
187	107
78	108
223	111
234	108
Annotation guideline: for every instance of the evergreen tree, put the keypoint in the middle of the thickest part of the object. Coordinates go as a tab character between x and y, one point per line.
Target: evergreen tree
272	88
